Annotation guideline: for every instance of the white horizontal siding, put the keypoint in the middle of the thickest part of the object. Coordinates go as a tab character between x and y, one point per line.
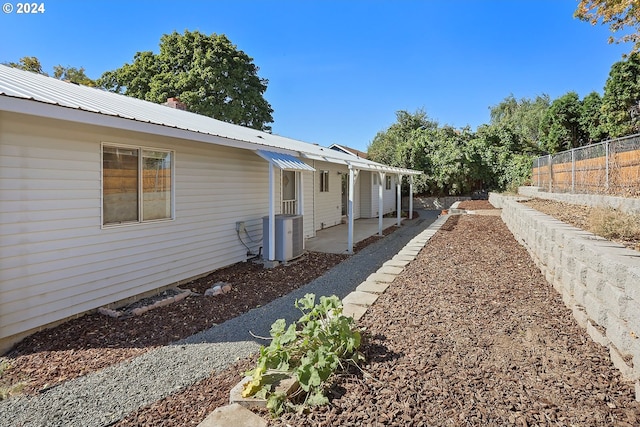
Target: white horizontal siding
366	195
328	204
389	196
57	261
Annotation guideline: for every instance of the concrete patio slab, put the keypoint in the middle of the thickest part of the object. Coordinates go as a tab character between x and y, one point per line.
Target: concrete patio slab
334	240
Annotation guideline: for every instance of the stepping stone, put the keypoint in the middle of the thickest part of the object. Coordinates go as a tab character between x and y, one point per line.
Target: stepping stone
395	263
372	287
386	269
381	277
234	415
403	257
414	247
354	310
360	298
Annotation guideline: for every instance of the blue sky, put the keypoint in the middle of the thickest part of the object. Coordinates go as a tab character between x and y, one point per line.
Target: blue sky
339	70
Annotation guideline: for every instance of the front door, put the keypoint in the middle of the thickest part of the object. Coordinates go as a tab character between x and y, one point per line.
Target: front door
345	193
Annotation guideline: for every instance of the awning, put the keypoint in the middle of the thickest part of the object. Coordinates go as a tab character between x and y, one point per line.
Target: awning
284	161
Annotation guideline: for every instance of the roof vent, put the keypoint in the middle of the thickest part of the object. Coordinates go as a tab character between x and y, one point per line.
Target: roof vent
176	103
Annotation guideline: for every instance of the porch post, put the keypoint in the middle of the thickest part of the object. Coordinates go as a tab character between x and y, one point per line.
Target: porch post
399	199
350	210
410	196
300	195
380	200
301	203
272	213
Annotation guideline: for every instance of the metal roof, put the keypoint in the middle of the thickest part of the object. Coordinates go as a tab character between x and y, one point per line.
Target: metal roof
31	93
284	161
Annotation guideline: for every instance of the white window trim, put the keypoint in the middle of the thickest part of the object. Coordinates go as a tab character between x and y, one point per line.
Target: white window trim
140	148
324	186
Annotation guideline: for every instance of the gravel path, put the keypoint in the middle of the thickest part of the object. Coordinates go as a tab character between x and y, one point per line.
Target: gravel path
104	397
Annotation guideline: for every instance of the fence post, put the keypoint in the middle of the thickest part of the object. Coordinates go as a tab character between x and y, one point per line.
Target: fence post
606	161
573	170
538	169
550	163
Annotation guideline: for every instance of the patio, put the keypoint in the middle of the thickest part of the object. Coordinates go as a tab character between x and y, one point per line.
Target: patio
333	240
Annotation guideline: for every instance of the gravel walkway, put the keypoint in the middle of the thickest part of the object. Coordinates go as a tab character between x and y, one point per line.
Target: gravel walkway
104	397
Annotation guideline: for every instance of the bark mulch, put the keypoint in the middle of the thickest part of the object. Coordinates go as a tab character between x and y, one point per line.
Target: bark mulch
469	334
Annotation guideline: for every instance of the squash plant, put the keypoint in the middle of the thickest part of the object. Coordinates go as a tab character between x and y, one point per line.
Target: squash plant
311	349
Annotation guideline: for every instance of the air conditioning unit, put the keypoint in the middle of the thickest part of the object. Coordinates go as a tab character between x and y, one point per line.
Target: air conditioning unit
289	237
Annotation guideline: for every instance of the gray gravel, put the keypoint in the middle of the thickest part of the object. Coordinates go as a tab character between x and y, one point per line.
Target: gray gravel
104	397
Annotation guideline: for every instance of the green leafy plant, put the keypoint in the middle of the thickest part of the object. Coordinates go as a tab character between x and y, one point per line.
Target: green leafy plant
311	350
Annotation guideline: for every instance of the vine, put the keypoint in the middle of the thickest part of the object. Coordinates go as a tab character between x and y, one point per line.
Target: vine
311	350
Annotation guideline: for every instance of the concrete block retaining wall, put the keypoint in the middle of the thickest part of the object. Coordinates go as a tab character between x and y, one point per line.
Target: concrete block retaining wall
598	279
624	204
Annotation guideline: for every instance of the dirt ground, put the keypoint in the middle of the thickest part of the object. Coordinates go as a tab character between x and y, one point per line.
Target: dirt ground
469	334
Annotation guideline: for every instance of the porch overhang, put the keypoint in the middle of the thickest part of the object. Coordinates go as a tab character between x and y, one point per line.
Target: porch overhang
284	161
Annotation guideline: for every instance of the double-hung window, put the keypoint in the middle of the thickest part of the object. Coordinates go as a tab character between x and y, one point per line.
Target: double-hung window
387	182
324	181
137	184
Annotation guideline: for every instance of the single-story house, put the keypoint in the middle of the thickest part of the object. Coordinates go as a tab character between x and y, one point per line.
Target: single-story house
368	188
104	197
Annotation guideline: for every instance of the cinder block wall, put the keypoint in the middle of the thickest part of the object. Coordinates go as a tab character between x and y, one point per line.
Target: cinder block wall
598	279
624	204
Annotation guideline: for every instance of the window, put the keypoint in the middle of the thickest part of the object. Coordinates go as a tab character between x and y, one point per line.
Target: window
136	184
387	183
324	181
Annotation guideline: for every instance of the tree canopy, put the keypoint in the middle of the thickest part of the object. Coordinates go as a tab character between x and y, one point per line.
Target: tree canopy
207	73
619	14
69	74
621	100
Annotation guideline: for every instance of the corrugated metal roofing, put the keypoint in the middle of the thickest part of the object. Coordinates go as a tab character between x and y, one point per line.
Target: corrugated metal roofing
285	161
24	85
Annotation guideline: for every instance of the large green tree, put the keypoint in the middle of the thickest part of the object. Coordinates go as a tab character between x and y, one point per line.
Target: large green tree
395	145
561	124
523	116
591	118
206	72
621	99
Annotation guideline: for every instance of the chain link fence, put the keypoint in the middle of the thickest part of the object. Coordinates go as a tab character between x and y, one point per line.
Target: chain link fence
609	167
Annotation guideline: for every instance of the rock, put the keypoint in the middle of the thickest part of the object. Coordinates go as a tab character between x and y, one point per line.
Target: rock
213	291
233	416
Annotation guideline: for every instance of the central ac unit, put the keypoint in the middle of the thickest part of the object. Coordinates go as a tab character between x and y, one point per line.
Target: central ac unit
289	237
